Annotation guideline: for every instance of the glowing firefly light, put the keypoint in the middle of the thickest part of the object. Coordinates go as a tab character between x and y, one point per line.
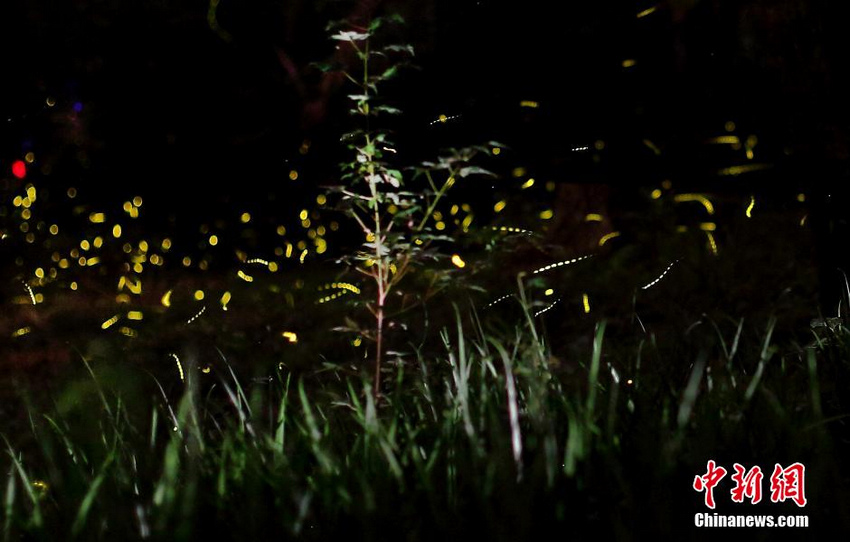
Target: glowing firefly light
546	309
750	207
712	244
179	367
607	237
560	264
458	261
647	11
290	336
654	282
709	207
19	169
109	323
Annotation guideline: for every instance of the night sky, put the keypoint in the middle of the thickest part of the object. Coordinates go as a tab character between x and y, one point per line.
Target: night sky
197	104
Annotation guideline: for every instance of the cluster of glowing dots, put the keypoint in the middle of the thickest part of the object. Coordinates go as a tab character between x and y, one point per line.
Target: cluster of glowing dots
442	119
510	229
342	287
560	264
661	276
547	308
496	301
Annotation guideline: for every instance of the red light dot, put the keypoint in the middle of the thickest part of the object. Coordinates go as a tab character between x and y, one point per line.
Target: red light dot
19	169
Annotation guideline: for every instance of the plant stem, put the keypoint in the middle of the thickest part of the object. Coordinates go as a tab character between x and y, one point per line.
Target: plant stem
440	194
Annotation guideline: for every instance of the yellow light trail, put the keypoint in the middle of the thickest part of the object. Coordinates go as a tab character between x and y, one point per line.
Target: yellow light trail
607	237
107	324
712	244
709	207
179	367
752	204
647	11
739	170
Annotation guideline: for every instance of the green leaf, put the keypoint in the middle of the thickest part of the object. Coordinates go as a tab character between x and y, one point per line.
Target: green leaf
389	73
475	170
386	109
408	49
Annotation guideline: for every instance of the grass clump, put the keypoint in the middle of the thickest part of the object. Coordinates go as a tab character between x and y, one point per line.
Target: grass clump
492	436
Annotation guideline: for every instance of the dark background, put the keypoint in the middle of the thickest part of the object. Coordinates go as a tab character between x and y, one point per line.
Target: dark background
167	97
201	106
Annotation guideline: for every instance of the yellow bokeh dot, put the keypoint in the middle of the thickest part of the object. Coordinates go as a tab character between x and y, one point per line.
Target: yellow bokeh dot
199	295
245	218
213	240
293	175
